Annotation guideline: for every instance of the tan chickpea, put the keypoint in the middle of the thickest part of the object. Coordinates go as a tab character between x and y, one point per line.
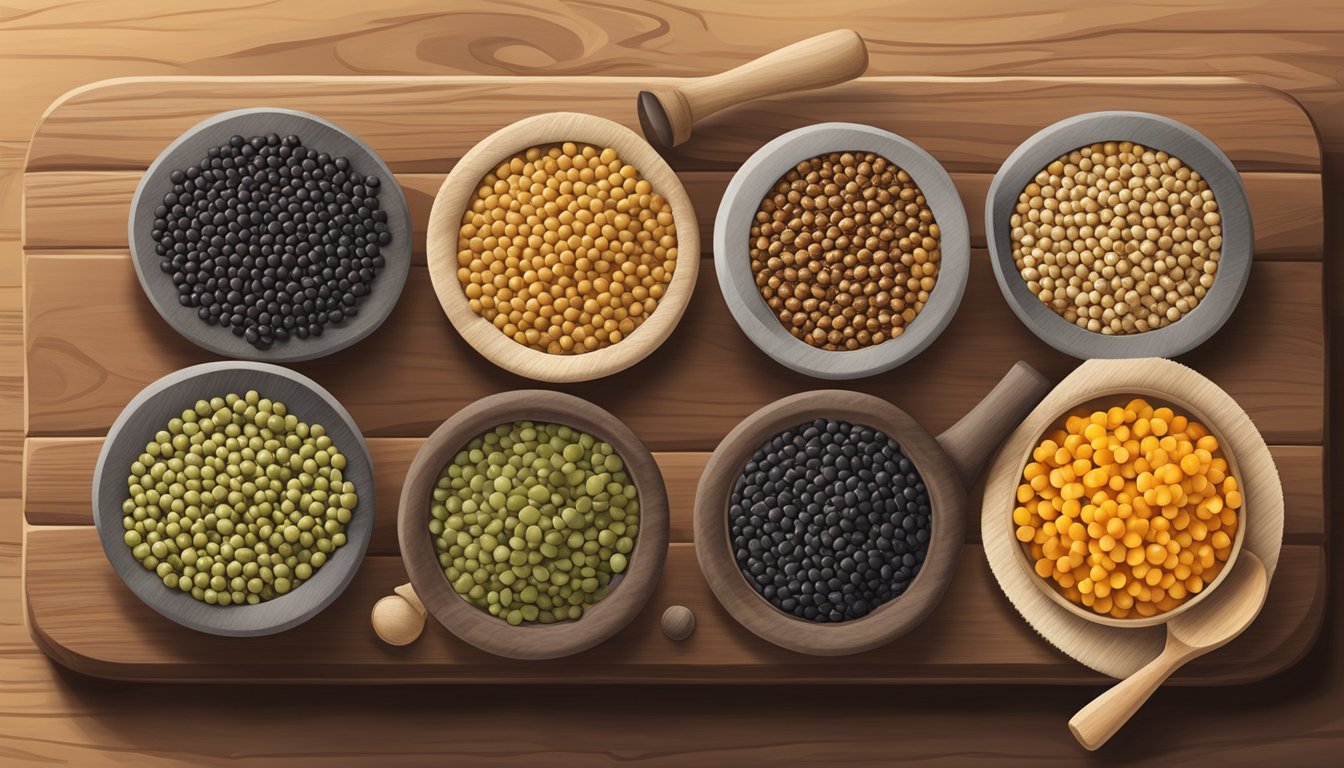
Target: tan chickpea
1117	238
845	250
566	249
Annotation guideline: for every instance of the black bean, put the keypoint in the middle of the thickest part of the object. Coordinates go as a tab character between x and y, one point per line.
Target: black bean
829	520
236	230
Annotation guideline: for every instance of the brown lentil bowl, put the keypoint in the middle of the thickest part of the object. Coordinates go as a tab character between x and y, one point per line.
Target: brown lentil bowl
834	307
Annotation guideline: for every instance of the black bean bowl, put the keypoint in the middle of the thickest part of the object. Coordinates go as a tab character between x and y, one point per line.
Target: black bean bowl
339	328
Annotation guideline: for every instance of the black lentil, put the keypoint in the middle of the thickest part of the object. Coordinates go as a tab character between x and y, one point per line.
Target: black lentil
271	239
829	520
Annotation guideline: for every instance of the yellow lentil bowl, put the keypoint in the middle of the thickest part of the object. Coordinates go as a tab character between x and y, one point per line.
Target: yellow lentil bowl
1128	511
566	248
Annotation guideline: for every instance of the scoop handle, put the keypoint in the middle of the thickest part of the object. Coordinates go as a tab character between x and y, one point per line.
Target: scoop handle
1097	722
971	440
826	59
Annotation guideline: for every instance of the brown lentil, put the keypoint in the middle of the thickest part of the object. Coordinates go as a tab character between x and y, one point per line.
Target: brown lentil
845	250
566	249
1118	238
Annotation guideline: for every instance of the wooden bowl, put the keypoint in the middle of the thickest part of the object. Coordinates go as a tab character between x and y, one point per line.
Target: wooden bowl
948	465
1155	132
460	187
1106	383
149	412
630	590
732	240
190	148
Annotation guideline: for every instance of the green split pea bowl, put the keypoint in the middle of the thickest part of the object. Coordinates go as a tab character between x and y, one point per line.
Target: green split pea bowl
291	594
466	574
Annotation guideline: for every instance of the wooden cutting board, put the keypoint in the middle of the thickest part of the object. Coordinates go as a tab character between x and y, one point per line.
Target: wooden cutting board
92	341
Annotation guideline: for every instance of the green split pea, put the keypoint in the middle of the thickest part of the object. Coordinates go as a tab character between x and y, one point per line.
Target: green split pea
237	501
533	521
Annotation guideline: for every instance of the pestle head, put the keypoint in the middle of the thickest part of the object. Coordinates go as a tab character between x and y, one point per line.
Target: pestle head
653	119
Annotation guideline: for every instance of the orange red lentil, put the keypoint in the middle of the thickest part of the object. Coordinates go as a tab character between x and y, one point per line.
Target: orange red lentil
566	249
1128	511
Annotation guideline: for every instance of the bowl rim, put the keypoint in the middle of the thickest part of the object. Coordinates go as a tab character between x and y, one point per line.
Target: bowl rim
1154	132
455	194
893	618
738	285
533	641
284	612
1157	398
190	147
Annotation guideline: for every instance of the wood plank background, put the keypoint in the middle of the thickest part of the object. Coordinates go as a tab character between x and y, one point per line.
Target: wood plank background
48	715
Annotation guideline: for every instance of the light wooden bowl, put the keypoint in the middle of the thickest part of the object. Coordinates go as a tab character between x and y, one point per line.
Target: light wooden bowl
328	137
456	194
1097	382
1155	132
948	466
732	241
630	590
165	399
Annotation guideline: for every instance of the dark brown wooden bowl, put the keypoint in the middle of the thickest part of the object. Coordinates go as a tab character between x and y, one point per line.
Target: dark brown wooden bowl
948	465
630	590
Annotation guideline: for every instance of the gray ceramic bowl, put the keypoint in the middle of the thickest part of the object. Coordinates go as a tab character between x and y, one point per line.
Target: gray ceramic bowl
1154	132
165	399
190	148
732	258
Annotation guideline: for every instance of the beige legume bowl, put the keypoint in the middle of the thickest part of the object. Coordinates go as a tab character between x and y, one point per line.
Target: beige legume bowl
456	195
1156	133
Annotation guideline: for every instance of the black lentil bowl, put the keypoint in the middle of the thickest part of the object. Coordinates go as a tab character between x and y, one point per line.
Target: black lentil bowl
270	234
829	522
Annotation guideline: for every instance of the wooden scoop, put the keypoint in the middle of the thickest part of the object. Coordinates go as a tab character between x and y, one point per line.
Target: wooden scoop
667	114
1223	616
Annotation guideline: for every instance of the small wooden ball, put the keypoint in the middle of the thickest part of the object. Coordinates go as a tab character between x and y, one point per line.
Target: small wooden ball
396	621
678	622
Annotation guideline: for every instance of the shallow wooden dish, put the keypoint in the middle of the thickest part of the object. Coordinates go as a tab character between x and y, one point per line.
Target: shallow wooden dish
732	240
1119	646
165	399
1154	132
948	465
1104	398
530	641
455	195
317	133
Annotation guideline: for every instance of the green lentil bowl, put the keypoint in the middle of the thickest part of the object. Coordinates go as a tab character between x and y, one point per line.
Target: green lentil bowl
588	481
291	593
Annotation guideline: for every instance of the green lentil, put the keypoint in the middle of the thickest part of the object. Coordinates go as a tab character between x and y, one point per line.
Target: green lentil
533	521
237	502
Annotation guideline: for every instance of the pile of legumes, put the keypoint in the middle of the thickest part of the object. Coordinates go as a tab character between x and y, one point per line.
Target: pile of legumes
1128	511
829	520
237	501
845	250
566	249
533	521
271	239
1118	238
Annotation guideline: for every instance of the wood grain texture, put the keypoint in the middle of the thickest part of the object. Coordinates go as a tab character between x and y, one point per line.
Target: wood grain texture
1286	206
969	124
972	636
50	716
59	473
460	188
88	353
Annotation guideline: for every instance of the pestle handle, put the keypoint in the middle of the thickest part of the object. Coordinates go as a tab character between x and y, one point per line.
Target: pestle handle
826	59
971	440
